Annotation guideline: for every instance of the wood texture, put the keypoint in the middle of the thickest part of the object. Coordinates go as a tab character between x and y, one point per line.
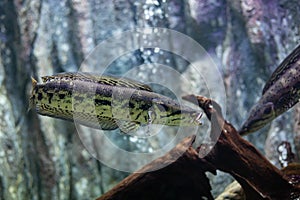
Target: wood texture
243	161
182	178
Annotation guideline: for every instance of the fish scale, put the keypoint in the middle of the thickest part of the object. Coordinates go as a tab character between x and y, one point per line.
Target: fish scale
287	63
107	102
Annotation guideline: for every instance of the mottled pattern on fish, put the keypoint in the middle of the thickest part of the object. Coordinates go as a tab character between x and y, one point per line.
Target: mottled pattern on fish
280	93
107	102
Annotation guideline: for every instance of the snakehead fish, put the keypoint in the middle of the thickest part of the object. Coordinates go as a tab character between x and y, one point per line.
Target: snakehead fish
107	102
281	92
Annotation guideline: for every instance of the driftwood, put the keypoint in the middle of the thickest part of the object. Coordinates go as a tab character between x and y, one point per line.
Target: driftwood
234	155
184	178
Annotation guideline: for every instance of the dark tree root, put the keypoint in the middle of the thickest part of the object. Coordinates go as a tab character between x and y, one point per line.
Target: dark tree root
183	178
236	156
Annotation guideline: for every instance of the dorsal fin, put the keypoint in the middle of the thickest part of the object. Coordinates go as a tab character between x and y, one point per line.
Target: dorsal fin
122	82
284	65
103	79
64	76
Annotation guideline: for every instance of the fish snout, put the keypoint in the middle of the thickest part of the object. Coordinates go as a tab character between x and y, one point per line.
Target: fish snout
244	130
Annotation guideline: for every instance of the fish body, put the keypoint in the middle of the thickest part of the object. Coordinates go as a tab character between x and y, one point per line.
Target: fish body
107	102
280	93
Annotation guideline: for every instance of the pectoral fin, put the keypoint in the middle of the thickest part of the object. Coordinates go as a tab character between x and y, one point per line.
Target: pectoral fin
124	82
127	127
108	124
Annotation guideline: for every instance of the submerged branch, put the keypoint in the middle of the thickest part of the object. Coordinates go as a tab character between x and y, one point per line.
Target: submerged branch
182	178
238	157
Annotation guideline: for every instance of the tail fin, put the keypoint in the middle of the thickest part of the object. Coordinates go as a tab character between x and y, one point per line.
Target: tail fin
31	99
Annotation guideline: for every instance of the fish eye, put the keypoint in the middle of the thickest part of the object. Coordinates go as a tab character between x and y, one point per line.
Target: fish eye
268	109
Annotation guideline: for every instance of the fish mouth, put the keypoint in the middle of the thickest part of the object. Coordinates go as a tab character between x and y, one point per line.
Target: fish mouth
243	130
247	128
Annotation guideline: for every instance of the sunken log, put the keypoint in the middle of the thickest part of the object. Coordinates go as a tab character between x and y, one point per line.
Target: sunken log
236	156
182	178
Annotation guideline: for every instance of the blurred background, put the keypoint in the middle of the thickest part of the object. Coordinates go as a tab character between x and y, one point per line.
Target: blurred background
43	158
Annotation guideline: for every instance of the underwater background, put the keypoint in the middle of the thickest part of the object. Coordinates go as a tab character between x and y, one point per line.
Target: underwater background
44	158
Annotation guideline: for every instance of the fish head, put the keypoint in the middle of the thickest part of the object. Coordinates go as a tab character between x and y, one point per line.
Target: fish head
259	116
